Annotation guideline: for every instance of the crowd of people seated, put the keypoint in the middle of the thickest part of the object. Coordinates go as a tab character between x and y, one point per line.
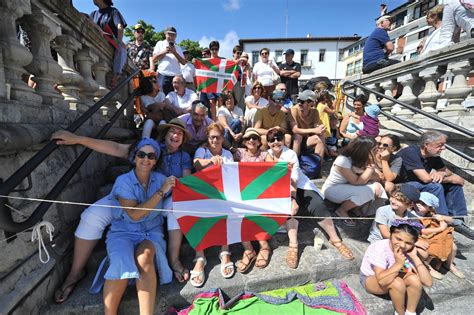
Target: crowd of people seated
263	119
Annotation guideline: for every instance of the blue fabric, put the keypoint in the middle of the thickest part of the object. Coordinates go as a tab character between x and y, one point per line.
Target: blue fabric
310	164
332	140
374	46
413	160
450	196
352	127
236	126
143	142
126	235
173	164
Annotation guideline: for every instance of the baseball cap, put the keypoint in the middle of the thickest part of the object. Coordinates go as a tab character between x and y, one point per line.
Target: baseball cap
138	27
429	199
410	192
307	95
278	95
170	29
384	18
289	52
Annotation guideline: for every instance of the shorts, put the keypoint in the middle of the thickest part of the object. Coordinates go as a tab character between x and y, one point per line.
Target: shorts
362	279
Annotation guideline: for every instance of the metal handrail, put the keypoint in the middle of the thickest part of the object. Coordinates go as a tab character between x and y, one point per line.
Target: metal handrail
6	221
410	126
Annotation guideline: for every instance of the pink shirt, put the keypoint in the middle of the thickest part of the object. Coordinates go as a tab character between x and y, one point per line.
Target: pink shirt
378	254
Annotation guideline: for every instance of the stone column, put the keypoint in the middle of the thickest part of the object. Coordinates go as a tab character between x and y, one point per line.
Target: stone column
407	81
100	69
85	59
385	104
15	55
42	29
372	99
70	80
430	94
459	90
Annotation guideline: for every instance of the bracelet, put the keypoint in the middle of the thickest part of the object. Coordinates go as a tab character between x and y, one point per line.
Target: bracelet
160	193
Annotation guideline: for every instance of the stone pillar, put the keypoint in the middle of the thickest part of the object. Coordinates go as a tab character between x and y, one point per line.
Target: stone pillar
430	94
100	69
15	55
371	98
385	104
70	80
42	29
459	90
85	59
407	81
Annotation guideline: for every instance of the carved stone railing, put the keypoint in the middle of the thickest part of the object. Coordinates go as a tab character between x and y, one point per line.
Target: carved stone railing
76	78
418	78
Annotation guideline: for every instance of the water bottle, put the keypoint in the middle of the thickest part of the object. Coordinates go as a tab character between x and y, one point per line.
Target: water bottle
318	240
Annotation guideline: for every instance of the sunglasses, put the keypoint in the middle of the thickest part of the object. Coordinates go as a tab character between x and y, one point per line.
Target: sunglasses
141	155
264	54
277	138
214	137
253	137
238	53
384	145
258	87
214	49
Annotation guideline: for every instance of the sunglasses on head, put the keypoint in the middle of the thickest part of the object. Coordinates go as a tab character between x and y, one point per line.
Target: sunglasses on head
253	137
277	138
142	155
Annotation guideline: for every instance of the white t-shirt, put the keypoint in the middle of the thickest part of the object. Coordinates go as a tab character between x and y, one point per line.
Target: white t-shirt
205	153
261	101
237	113
264	73
147	100
189	72
168	65
184	101
335	177
433	42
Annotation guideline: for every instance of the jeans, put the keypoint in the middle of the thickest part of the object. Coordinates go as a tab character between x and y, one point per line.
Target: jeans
166	83
236	126
451	197
382	63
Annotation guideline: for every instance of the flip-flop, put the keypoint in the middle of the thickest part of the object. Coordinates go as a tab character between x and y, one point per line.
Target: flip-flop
181	273
226	265
63	293
198	274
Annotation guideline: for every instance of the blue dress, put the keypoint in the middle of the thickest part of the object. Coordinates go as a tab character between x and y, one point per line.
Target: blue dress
126	235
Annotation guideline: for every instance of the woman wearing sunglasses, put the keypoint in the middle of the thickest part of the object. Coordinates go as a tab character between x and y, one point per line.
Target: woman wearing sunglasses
388	164
135	242
94	219
254	102
304	195
210	154
252	153
264	71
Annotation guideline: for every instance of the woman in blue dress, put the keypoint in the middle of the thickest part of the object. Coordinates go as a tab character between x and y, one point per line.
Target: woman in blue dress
135	242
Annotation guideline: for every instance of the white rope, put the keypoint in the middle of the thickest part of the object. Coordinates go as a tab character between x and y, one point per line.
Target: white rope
36	235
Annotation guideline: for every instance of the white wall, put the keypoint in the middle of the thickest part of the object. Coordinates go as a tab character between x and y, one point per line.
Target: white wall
331	67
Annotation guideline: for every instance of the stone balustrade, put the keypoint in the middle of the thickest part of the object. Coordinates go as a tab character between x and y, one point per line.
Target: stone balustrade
418	79
75	77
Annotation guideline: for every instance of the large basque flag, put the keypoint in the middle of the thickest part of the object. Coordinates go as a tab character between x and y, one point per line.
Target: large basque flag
215	75
232	202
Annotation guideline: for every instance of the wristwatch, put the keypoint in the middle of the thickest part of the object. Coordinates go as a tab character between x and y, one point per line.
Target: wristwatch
161	193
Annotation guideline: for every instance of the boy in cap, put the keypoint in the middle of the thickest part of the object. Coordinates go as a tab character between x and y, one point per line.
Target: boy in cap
402	201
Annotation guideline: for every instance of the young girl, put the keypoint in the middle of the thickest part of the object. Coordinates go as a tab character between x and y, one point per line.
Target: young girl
438	235
325	109
392	266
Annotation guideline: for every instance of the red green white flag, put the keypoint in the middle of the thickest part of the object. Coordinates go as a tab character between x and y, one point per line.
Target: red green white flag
215	75
233	202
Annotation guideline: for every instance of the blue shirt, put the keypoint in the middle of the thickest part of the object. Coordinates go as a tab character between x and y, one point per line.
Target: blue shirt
374	46
173	164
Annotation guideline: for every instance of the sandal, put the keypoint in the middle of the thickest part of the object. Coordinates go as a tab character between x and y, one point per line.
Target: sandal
250	258
181	275
292	257
435	273
265	261
457	273
229	265
63	293
198	274
343	249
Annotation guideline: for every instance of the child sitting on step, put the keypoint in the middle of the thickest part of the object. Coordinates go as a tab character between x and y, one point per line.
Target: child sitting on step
370	121
438	235
392	266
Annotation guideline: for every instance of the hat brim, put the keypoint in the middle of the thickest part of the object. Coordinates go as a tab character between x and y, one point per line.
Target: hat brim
251	133
163	129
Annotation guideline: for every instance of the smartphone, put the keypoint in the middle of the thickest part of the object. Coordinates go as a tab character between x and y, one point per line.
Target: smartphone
171	44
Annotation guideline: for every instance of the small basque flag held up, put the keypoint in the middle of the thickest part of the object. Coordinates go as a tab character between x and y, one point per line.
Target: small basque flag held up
215	75
231	203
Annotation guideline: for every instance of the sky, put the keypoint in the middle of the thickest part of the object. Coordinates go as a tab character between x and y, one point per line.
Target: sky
230	20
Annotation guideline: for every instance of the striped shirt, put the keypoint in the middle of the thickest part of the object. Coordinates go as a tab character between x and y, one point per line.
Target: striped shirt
378	254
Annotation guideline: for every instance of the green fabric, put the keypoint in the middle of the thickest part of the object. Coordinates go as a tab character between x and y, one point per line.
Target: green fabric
307	290
199	230
255	306
201	187
267	224
260	184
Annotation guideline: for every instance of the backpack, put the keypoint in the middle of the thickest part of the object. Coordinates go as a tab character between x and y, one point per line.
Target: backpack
310	164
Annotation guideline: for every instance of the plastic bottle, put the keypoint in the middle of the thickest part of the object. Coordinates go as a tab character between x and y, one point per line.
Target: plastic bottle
318	240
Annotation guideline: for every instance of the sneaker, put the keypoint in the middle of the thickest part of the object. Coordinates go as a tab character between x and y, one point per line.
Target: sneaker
465	230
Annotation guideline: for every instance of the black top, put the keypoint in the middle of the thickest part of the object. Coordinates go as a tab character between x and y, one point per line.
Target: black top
291	84
413	160
110	16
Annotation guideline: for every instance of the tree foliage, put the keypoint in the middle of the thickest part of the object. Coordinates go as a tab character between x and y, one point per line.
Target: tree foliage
192	47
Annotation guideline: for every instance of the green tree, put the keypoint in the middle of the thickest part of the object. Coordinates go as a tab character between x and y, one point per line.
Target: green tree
192	47
151	36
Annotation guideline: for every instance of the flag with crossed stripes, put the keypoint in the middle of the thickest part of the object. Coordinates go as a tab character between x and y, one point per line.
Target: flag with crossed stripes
215	75
233	202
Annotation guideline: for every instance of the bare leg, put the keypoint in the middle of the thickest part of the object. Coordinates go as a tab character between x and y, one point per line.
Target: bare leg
396	289
249	252
328	226
146	285
264	146
288	140
316	142
199	266
343	210
213	104
113	292
297	139
413	287
292	229
175	239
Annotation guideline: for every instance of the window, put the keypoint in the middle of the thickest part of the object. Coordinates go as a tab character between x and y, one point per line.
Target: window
254	57
413	55
350	69
322	55
341	55
279	55
304	57
423	7
423	34
399	19
358	66
351	51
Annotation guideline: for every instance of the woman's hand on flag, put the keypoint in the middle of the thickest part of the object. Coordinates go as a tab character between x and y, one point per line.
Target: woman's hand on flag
169	183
